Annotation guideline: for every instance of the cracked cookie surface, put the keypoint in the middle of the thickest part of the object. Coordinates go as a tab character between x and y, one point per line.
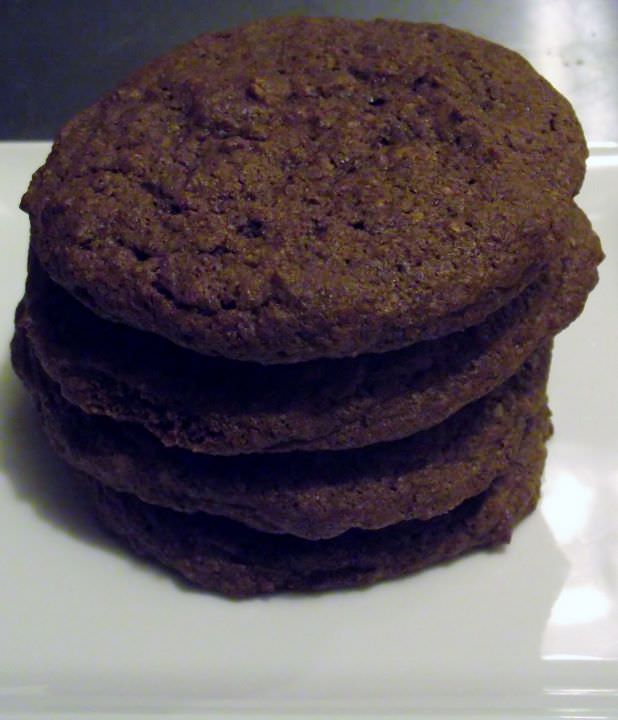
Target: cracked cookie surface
304	188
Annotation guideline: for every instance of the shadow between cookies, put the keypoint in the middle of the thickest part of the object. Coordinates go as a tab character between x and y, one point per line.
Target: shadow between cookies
38	477
43	481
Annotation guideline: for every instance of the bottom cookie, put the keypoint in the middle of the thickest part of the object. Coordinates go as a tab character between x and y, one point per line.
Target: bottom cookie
227	557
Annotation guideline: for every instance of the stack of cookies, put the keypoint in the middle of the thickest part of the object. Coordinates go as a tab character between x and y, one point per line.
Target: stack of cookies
291	296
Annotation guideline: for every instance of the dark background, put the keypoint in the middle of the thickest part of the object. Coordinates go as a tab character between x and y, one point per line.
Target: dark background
57	56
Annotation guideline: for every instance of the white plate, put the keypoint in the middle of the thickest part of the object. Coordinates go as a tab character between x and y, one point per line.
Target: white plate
528	631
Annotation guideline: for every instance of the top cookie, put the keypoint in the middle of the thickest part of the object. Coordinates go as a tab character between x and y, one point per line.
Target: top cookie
302	188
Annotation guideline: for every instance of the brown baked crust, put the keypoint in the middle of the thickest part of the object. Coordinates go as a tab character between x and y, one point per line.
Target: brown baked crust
303	188
226	557
224	407
311	495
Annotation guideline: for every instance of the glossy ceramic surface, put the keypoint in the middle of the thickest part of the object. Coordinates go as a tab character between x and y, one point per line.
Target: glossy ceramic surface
529	631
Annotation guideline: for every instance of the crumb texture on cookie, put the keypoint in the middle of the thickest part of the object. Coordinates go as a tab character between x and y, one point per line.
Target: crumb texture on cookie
310	495
221	555
223	407
304	188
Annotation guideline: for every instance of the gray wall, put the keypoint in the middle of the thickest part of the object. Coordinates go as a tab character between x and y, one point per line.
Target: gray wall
57	56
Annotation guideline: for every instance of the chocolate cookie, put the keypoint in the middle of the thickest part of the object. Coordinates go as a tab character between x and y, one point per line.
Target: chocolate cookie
306	188
227	557
311	495
225	407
